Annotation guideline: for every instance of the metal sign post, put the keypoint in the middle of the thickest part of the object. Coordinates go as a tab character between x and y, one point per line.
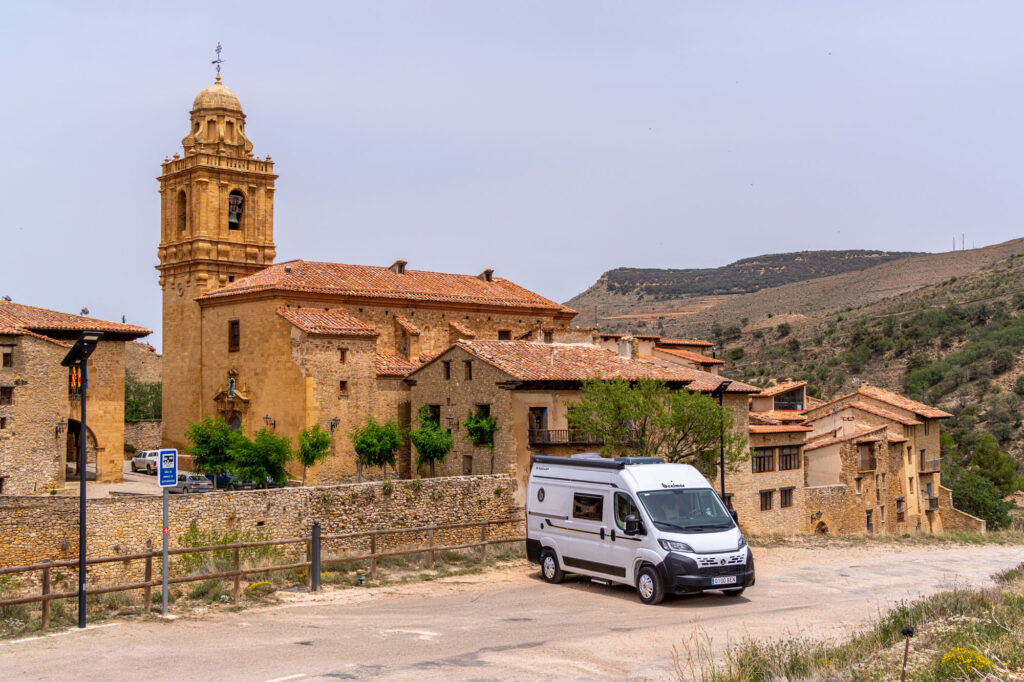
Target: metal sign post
168	476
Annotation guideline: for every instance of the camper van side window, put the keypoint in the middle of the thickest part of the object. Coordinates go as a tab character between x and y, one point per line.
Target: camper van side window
624	506
588	507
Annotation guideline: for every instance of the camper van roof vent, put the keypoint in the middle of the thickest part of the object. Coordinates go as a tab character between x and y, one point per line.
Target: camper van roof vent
640	460
586	455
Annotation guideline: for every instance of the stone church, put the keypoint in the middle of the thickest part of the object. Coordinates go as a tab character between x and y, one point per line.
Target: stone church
288	345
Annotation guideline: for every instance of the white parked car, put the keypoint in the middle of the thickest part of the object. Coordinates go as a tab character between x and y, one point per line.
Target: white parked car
658	527
146	461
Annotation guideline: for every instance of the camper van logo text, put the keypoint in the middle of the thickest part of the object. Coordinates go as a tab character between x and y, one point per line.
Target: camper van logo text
672	484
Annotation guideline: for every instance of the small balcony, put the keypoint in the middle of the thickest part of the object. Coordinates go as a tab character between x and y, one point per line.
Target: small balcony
930	466
866	462
933	504
561	437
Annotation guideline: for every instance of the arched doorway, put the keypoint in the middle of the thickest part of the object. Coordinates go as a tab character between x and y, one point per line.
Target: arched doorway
71	459
821	528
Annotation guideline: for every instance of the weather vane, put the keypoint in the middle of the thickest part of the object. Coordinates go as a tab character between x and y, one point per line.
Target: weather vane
218	61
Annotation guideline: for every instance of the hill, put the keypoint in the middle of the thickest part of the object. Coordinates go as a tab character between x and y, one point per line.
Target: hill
792	302
956	344
743	276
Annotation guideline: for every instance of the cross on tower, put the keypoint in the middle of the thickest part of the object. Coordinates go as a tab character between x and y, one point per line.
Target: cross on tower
218	61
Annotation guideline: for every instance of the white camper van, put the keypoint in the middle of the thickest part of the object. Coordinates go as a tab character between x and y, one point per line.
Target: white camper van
638	521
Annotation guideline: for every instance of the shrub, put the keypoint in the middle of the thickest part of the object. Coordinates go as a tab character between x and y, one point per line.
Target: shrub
388	486
480	428
978	496
963	663
1002	361
783	330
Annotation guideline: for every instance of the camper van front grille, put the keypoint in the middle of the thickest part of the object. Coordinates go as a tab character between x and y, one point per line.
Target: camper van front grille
729	569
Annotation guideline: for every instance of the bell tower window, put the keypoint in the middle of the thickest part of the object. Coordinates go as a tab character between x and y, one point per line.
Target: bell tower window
235	200
182	211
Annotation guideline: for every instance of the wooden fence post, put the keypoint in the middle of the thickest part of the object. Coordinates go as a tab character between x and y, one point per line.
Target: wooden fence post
238	577
46	591
430	534
483	539
147	591
373	560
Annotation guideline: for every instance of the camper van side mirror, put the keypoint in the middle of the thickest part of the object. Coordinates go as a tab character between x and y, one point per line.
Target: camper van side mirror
632	525
734	515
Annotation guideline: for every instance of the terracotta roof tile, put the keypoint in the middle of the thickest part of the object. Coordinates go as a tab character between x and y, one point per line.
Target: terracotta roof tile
393	365
685	342
785	415
528	361
408	326
327	322
462	329
781	387
879	412
897	400
369	281
779	428
42	320
21	331
760	418
862	432
690	356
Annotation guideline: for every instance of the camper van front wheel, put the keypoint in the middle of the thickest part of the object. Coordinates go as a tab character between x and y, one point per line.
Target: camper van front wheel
549	567
649	586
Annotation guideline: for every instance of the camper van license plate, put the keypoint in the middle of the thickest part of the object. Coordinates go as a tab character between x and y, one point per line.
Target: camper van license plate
724	580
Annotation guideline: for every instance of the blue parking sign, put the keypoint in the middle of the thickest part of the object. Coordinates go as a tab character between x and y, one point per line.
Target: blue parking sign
168	468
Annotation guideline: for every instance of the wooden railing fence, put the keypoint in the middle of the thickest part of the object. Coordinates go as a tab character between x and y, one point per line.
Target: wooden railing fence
313	563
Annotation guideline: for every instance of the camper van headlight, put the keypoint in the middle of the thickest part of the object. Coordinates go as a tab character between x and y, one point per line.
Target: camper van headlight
673	546
742	542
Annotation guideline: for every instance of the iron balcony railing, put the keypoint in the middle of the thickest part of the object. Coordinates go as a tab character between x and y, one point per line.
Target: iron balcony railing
930	465
561	437
933	503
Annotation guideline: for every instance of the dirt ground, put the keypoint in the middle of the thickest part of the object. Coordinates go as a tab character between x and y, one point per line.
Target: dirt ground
507	624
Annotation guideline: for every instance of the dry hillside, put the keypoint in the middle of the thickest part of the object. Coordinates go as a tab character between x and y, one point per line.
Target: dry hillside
793	302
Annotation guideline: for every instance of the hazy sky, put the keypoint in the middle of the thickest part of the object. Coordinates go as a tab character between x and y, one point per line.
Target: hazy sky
549	140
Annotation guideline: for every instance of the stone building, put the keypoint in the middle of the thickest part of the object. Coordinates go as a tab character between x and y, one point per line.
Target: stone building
293	344
40	410
526	386
867	462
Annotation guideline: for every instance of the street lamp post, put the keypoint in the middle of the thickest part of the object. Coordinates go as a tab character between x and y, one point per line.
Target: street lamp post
719	392
78	356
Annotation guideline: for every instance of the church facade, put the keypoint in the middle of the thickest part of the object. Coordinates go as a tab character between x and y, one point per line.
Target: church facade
288	345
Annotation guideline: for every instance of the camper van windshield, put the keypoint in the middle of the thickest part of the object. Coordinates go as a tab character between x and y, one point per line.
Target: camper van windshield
682	510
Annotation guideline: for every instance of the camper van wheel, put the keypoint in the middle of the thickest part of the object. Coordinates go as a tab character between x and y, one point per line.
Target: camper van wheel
733	593
649	587
549	567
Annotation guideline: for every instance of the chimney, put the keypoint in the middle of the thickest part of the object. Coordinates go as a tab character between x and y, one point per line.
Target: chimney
398	267
487	275
629	348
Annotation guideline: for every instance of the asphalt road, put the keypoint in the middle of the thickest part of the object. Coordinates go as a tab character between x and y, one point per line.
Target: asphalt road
503	624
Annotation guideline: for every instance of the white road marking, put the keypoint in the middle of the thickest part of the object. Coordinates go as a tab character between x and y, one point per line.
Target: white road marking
287	677
58	634
423	635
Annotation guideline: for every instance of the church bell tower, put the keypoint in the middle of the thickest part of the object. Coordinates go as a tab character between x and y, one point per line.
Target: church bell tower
216	225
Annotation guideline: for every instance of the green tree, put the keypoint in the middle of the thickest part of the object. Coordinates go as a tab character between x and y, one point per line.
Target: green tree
141	400
646	418
432	443
261	459
995	465
480	428
978	496
210	442
314	445
376	444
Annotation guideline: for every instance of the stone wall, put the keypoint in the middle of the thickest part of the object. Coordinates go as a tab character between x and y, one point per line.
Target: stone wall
144	435
33	529
456	397
105	408
143	362
954	520
745	488
31	448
